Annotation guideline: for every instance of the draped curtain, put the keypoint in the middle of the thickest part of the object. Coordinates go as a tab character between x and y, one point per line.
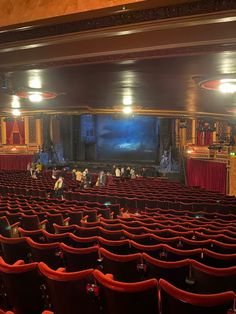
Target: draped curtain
9	130
206	174
15	132
21	128
14	162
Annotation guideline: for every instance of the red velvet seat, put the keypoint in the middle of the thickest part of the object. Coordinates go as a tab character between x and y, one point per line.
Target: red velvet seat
82	242
127	298
31	222
59	237
111	234
69	292
36	235
77	259
126	268
22	284
75	216
214	259
206	279
7	230
174	272
48	253
55	219
14	249
115	246
87	232
174	300
64	229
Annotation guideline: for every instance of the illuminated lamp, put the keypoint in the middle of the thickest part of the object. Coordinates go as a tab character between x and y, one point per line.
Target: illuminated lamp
127	110
36	96
16	112
13	149
226	86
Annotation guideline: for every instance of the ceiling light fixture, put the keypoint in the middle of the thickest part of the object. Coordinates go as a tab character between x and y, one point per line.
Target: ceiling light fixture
16	112
15	102
227	88
127	110
127	100
35	97
226	85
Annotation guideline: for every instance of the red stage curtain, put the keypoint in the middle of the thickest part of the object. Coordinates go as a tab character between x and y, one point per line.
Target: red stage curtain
14	162
9	129
209	175
21	128
208	138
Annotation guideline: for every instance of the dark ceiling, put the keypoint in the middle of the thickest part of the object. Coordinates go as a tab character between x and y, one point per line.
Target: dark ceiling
156	85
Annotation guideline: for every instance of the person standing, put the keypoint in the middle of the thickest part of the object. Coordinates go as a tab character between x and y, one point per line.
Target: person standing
59	188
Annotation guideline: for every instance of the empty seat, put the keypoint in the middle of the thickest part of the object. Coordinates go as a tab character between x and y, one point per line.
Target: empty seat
31	222
127	298
22	285
14	249
174	272
69	292
174	300
126	268
45	252
7	230
115	246
77	259
206	279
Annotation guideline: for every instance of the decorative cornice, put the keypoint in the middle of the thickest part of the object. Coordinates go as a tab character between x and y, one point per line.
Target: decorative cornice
118	19
161	53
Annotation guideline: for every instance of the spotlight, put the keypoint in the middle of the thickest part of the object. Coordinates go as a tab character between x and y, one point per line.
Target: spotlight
127	100
15	102
16	112
127	110
35	97
227	88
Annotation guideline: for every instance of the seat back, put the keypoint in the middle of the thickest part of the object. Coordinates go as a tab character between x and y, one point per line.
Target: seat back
22	284
77	259
174	300
5	228
206	279
14	249
133	298
174	272
69	291
30	222
45	252
54	219
126	268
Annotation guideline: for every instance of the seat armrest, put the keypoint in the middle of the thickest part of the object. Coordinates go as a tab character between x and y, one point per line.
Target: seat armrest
66	221
84	219
14	230
43	224
19	262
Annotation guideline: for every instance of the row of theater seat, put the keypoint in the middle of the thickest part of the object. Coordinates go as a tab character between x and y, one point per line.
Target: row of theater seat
33	287
127	262
132	191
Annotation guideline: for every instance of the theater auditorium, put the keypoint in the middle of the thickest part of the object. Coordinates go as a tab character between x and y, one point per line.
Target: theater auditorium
117	157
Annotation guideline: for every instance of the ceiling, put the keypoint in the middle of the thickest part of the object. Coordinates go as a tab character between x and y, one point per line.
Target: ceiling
155	56
157	86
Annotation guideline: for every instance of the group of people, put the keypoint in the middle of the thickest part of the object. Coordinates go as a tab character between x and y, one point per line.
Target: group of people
34	169
125	173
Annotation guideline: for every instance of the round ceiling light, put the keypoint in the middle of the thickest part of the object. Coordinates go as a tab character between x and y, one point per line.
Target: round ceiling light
36	96
226	86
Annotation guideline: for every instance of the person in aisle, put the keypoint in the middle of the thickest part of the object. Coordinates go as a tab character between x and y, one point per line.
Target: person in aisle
59	188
